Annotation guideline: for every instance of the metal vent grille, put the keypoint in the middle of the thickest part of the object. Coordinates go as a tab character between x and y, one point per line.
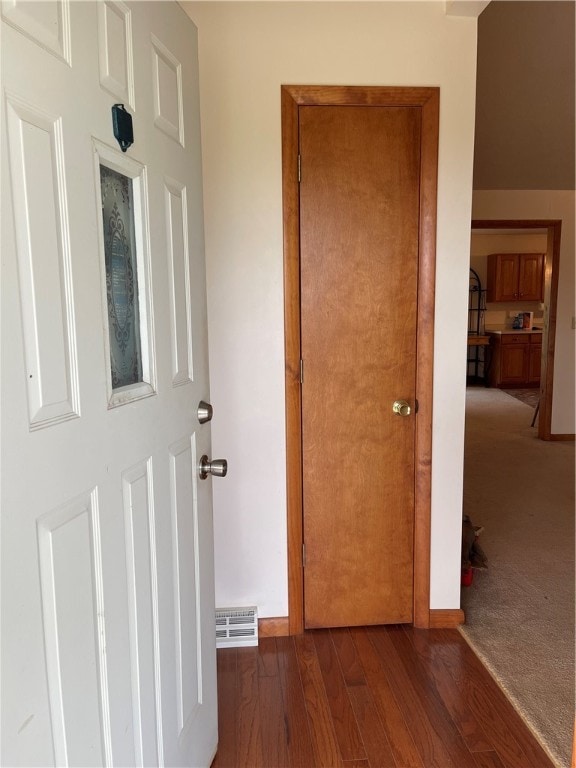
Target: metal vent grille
236	627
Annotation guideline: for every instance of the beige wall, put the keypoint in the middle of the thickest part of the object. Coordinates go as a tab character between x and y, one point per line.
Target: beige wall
247	50
525	96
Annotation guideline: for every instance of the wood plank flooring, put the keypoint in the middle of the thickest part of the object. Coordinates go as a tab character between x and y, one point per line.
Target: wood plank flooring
375	697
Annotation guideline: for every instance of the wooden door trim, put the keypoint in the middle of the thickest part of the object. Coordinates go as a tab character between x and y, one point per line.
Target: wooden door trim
276	627
446	618
428	100
553	228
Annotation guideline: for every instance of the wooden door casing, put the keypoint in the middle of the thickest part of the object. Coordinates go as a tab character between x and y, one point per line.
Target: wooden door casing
359	208
427	100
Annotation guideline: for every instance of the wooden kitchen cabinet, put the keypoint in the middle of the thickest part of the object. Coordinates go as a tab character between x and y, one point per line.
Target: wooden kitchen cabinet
515	277
535	362
515	360
513	366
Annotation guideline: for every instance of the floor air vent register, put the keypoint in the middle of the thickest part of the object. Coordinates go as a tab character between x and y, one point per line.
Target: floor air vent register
236	627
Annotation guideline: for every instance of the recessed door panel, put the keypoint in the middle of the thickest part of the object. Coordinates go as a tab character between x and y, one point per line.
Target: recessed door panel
116	51
72	596
47	23
44	262
167	81
140	526
183	461
179	270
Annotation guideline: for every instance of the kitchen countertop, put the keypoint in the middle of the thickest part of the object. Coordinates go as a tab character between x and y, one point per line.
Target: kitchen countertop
503	331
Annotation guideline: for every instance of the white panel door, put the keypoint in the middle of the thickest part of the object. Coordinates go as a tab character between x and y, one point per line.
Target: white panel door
107	605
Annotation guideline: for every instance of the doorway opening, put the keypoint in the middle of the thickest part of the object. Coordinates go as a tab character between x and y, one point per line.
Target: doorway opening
518	494
551	231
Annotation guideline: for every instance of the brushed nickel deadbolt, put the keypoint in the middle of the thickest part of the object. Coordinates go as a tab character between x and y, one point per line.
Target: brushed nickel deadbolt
204	412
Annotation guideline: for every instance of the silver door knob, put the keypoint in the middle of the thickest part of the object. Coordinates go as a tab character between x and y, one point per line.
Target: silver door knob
216	467
402	408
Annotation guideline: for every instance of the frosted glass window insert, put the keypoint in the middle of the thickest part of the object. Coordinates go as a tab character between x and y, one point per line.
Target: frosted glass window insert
121	278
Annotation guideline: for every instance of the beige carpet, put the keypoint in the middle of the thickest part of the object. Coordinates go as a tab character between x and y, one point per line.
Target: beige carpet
528	396
520	612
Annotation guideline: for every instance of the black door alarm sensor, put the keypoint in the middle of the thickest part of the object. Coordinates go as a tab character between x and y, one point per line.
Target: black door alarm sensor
122	124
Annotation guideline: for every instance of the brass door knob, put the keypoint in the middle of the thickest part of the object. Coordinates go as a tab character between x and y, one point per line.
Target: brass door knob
402	408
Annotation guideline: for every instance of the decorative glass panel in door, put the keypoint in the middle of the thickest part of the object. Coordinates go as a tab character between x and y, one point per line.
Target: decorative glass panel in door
121	278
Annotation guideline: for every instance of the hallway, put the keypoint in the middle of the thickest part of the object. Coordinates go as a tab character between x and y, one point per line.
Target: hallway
520	611
378	697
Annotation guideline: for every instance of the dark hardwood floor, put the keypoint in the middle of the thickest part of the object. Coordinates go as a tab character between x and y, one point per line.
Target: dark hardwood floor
376	697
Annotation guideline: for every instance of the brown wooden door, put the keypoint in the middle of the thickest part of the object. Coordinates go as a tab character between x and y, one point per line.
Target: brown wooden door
359	223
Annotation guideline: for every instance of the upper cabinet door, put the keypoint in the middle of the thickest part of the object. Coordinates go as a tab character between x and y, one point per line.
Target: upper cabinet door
502	277
515	277
530	277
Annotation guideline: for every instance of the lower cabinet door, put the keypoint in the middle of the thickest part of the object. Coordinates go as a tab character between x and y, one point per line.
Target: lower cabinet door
535	363
514	365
